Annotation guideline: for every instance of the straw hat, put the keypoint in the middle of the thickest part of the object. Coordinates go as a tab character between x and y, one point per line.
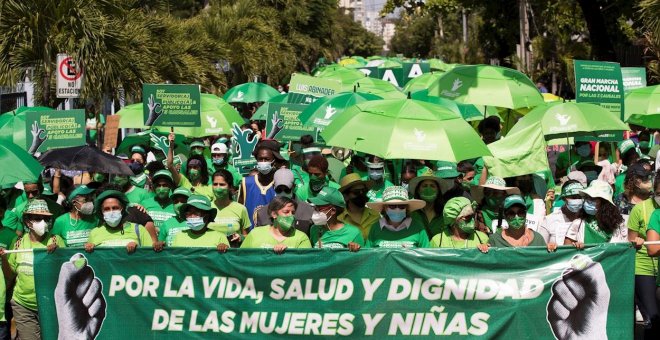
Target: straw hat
495	183
600	189
37	207
429	174
396	195
352	180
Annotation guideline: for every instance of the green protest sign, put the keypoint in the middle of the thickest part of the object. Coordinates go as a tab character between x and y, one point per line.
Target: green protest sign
243	144
304	89
371	72
186	293
392	75
171	105
283	123
414	70
54	129
633	78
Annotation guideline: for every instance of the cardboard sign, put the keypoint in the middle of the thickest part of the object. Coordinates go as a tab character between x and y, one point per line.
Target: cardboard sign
110	132
171	105
45	130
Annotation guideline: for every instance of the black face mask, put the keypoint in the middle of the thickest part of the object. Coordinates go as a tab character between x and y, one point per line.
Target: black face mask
136	167
360	201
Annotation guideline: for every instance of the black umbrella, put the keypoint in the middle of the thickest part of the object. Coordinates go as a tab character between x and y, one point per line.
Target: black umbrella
85	158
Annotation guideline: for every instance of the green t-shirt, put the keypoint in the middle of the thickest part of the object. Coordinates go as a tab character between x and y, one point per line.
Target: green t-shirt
496	240
642	217
159	212
22	265
260	237
300	176
303	192
169	229
231	219
337	239
7	236
210	238
138	195
445	240
200	189
74	232
435	226
412	237
375	194
105	236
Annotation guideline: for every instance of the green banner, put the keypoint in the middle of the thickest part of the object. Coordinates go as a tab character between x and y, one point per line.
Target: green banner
283	123
600	83
304	89
633	78
45	130
514	293
171	105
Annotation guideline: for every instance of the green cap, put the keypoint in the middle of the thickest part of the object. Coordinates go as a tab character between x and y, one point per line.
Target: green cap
80	190
509	201
446	170
181	191
626	145
328	196
644	144
197	144
162	173
110	194
200	202
138	149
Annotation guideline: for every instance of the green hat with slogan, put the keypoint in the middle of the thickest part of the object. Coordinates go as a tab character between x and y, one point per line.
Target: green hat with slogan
197	144
200	202
37	207
162	174
181	191
328	196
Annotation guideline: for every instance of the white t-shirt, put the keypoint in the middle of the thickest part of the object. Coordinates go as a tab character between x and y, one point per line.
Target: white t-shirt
576	232
554	227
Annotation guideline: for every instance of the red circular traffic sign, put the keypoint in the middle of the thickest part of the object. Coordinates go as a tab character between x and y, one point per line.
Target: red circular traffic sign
67	71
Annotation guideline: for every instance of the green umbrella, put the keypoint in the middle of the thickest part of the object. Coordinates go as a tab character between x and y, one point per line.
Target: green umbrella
18	166
469	112
643	106
250	93
405	129
390	64
563	120
132	116
146	139
439	65
324	110
12	125
378	87
344	75
262	111
217	118
487	85
421	82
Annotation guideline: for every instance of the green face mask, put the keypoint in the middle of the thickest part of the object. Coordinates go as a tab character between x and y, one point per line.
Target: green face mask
285	223
466	227
516	222
466	186
428	194
197	152
177	208
221	193
98	178
316	183
162	192
194	174
493	202
120	181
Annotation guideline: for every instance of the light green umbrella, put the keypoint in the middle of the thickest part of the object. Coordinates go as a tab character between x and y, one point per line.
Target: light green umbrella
405	129
262	111
18	166
250	93
563	120
217	117
12	125
132	116
439	65
487	85
344	75
421	82
379	87
469	112
390	64
320	113
643	107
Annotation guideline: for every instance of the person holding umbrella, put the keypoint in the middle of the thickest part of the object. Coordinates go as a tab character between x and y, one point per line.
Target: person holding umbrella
357	213
18	267
427	188
281	234
396	229
199	213
196	176
458	215
75	226
327	231
176	224
517	234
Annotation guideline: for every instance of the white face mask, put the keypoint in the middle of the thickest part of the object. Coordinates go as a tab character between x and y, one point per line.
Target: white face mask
264	167
319	218
112	218
40	228
86	208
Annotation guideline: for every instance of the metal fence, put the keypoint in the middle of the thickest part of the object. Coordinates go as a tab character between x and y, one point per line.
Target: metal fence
12	101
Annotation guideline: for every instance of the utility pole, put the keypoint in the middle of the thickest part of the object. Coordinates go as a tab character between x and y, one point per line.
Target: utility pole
524	34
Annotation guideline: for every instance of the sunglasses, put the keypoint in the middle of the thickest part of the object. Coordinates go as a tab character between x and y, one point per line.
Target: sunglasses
280	190
397	206
514	213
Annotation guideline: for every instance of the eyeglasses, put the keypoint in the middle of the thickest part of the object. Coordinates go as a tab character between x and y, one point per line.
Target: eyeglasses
397	206
32	192
513	213
37	218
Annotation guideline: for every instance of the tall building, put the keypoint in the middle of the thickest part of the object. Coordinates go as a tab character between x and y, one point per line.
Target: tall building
367	13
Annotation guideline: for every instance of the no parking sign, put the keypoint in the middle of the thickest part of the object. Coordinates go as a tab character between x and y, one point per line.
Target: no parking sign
69	77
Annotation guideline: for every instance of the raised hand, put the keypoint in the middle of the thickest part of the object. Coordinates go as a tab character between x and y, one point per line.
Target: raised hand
154	111
39	136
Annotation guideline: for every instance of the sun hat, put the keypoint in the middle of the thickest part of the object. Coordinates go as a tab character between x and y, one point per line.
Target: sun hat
495	183
181	191
328	196
395	195
512	200
446	170
352	180
80	190
37	207
600	189
571	189
428	175
218	148
200	202
455	208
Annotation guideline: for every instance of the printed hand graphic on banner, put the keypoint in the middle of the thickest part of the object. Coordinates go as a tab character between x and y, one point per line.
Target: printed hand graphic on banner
242	144
79	300
37	138
154	111
278	124
580	301
161	143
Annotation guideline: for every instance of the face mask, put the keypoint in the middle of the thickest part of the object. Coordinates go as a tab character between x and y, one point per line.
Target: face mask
195	223
40	228
591	175
574	204
428	194
218	161
194	174
112	218
136	167
466	185
221	193
493	202
376	175
516	222
466	227
197	152
396	215
319	218
644	188
285	223
264	167
584	150
98	178
316	183
86	208
360	201
162	192
120	181
589	207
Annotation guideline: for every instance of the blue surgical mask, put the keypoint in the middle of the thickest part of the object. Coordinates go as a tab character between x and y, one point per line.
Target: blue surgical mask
590	207
218	161
396	215
195	223
574	204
